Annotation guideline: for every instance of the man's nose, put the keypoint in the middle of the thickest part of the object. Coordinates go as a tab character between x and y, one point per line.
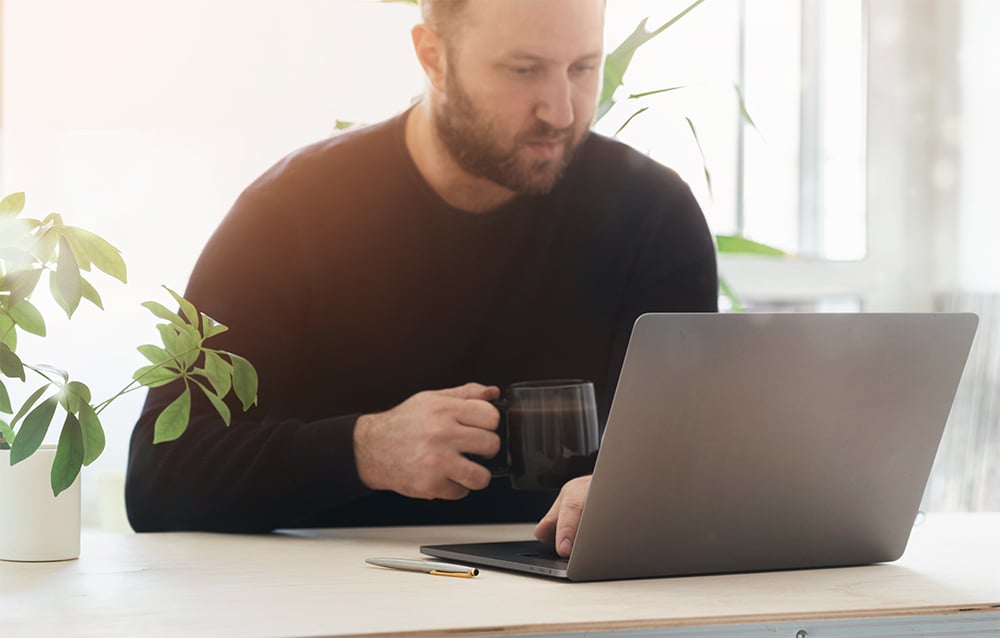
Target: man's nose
555	104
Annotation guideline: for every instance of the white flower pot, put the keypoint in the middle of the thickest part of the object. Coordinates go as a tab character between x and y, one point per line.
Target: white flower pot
34	525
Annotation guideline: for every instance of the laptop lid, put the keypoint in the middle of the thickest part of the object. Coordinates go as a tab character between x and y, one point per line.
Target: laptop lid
751	442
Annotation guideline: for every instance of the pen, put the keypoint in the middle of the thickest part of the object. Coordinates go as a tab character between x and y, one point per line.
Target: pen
425	566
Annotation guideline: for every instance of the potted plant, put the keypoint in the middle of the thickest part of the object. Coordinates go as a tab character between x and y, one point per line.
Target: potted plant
39	511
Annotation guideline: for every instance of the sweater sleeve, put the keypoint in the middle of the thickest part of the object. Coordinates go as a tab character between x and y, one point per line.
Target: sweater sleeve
271	467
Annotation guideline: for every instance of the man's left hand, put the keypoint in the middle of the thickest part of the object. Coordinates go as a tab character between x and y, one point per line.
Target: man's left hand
559	524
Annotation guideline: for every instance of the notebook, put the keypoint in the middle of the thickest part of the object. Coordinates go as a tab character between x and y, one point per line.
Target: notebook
757	442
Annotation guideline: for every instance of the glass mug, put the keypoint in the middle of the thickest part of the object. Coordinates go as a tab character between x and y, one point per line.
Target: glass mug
548	433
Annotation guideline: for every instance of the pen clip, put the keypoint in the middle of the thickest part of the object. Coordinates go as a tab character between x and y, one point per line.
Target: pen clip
468	574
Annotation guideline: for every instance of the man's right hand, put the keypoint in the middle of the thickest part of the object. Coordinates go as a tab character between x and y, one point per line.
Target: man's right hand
418	448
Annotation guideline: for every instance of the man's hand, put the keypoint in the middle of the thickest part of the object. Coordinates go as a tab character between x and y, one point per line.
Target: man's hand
560	523
418	448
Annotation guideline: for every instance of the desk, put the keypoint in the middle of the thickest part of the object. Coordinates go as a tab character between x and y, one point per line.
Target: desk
315	583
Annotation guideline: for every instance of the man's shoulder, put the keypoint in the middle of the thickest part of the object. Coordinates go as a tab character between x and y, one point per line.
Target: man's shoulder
338	159
615	160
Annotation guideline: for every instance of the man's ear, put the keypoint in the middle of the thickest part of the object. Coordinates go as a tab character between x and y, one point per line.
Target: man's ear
431	54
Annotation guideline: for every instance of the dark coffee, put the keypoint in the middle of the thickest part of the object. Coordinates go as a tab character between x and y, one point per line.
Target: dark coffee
548	433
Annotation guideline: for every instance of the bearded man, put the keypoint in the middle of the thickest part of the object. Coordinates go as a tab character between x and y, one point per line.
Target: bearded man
482	237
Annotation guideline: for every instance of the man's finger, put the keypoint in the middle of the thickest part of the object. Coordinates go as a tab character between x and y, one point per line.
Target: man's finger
473	391
545	531
569	520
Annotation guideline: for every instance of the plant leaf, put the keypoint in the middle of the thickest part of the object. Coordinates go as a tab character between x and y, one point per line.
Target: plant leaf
636	96
28	317
742	245
21	283
5	405
154	354
79	250
75	394
33	430
8	335
210	327
90	293
93	434
155	376
69	455
244	380
218	372
6	435
44	247
629	120
174	419
727	292
187	308
163	312
10	363
181	344
219	405
106	257
12	205
704	161
743	106
29	403
617	62
68	278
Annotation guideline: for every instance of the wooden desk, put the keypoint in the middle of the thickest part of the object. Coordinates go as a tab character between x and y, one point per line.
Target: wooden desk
316	583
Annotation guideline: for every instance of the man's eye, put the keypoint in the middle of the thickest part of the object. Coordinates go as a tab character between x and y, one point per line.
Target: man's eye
584	68
523	70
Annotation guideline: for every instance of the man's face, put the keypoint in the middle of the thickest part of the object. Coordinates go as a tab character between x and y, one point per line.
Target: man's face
521	88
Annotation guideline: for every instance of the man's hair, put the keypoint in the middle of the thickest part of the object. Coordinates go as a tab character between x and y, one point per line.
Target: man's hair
443	16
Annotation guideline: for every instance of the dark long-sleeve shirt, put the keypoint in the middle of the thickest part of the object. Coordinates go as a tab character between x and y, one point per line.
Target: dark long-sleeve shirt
351	285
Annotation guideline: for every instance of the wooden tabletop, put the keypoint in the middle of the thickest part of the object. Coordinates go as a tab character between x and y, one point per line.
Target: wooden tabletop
316	583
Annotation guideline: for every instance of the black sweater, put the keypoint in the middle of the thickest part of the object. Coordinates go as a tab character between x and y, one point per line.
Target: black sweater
351	285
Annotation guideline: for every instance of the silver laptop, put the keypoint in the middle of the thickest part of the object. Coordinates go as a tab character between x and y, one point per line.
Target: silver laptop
754	442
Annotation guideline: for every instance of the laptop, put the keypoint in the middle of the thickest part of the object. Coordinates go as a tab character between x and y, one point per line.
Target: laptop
758	442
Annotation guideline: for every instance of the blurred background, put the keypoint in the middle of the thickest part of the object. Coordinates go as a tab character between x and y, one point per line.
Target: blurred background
858	136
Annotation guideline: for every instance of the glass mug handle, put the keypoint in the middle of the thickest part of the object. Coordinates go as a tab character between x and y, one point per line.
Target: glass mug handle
499	465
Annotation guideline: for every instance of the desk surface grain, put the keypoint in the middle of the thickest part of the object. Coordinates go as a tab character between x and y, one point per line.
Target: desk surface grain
315	583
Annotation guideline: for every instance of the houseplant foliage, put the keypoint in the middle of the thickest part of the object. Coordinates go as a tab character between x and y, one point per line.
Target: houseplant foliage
32	250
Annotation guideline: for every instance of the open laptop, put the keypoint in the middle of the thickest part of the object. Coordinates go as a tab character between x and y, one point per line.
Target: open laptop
754	442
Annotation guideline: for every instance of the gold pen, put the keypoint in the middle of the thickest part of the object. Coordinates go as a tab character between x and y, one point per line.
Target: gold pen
425	566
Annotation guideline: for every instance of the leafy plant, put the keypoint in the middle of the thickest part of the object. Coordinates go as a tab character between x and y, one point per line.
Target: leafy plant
31	249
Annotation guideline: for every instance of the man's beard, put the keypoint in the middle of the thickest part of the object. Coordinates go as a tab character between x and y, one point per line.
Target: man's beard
474	141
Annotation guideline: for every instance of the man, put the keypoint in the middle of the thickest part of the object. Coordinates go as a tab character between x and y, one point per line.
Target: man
481	238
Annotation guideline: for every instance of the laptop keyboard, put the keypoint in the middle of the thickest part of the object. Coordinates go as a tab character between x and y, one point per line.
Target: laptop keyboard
547	554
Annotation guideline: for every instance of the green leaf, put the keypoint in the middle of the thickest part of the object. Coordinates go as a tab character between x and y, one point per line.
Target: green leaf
28	317
163	312
79	250
69	455
10	363
183	345
219	405
617	62
33	430
5	405
8	335
21	283
6	435
154	354
743	107
106	257
187	308
44	246
68	278
742	245
727	291
174	419
29	403
73	395
704	162
244	380
90	293
629	120
12	205
210	327
636	96
218	372
155	376
93	434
